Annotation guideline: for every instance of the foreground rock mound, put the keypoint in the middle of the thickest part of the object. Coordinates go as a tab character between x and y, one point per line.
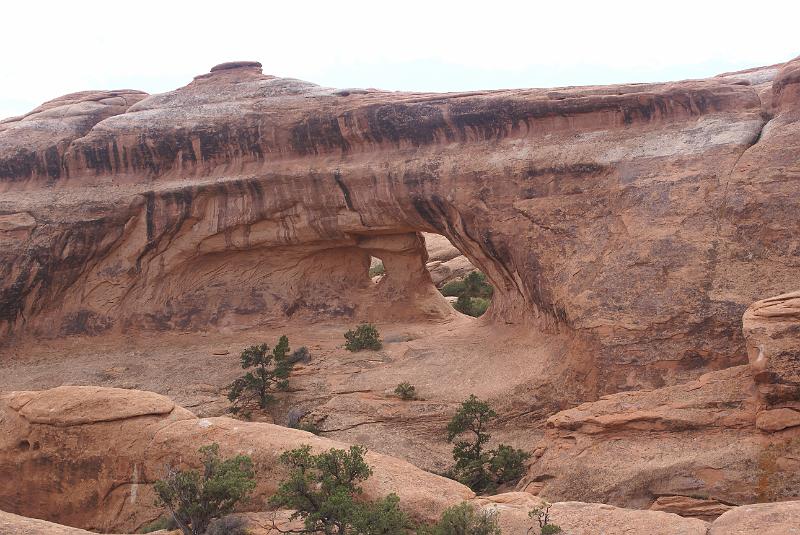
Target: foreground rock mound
599	212
87	457
11	524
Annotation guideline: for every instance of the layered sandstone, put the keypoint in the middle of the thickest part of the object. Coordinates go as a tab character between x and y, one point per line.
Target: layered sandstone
731	437
772	328
640	220
87	457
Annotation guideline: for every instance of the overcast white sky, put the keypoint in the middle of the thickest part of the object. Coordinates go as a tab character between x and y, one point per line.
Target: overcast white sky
52	48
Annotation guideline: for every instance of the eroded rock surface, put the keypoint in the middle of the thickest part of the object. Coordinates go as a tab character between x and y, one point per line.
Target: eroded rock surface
96	472
694	443
604	212
11	524
763	518
576	518
772	328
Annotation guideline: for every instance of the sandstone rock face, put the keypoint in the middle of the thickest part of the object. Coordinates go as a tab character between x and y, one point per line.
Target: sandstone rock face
87	457
640	220
689	448
772	329
18	525
763	518
93	467
686	506
445	262
576	518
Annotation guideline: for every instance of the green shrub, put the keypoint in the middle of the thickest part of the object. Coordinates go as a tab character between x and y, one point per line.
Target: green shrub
194	499
454	288
542	516
365	336
507	463
479	469
473	292
472	306
406	391
464	520
325	491
476	286
271	371
473	285
376	270
165	522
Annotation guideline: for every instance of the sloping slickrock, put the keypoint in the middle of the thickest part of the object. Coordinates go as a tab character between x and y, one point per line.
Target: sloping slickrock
11	524
34	143
61	407
781	518
576	518
60	461
639	219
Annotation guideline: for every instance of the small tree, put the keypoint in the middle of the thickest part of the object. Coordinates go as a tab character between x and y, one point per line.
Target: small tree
479	469
194	499
475	285
471	418
542	516
270	372
464	520
365	336
323	490
406	391
507	463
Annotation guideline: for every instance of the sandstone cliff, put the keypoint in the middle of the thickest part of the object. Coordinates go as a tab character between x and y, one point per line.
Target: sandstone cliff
638	220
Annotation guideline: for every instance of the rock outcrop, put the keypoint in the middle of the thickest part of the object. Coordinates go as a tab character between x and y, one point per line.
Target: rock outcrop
772	328
445	262
731	437
87	457
632	449
639	219
763	518
11	524
576	518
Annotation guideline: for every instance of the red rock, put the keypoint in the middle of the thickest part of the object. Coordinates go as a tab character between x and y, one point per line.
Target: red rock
777	419
598	212
688	506
763	518
772	328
